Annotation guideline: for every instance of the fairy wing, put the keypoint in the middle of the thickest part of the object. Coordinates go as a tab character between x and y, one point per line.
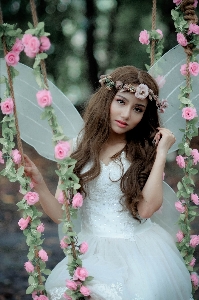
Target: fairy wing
35	131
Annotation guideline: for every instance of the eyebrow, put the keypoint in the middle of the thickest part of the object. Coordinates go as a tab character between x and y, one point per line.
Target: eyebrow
137	104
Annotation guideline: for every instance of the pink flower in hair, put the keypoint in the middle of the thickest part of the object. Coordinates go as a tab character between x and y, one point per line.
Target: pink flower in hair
62	149
180	161
12	58
195	279
16	156
179	236
7	106
44	98
77	200
41	227
179	206
195	199
29	267
160	32
193	261
142	91
195	155
18	46
189	113
144	37
181	39
193	28
84	290
194	240
43	255
45	43
194	68
1	158
177	2
23	223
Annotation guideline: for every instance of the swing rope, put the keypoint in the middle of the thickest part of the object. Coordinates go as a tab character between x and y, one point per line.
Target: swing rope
154	11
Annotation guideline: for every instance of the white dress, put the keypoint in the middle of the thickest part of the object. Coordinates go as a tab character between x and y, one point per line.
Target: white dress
128	259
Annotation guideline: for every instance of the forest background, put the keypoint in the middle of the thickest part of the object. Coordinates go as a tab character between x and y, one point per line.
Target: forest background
89	38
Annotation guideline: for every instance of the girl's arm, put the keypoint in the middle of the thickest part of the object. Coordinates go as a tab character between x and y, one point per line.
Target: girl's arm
153	189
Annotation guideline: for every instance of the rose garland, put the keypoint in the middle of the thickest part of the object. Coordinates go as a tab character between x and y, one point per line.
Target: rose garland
187	37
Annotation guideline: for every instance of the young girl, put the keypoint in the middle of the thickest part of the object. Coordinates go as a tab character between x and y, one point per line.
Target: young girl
121	154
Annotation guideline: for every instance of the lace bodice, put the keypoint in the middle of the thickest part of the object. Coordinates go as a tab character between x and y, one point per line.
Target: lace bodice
102	212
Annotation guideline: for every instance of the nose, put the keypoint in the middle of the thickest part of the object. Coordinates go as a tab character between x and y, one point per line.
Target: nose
125	113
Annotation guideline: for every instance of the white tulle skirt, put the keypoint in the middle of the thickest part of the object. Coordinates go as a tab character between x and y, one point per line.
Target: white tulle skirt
147	268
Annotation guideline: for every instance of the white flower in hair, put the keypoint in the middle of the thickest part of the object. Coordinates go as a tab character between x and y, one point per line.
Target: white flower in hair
142	91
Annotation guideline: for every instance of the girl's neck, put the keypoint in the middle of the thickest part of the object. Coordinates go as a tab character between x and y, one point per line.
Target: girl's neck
114	139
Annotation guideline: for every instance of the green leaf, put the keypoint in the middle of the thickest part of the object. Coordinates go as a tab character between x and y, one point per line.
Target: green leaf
46	272
30	289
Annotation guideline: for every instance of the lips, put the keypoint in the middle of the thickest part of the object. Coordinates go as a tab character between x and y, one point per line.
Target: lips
121	124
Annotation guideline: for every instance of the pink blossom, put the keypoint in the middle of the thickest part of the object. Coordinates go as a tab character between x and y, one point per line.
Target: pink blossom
179	206
41	227
194	240
77	200
183	70
1	158
23	223
193	261
62	149
83	247
42	297
193	28
45	43
43	255
7	106
67	297
18	46
44	98
85	291
61	198
194	279
160	81
12	58
160	32
195	155
194	68
63	243
31	198
179	236
34	294
80	273
29	267
32	45
189	113
195	199
177	2
16	156
142	91
195	3
71	285
144	37
181	39
26	38
180	161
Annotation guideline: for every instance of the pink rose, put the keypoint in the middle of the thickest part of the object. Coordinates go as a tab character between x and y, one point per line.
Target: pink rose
80	273
194	240
144	37
29	267
44	98
32	46
7	106
41	227
160	81
85	291
16	156
1	158
193	261
189	113
23	223
195	199
177	2
62	149
195	3
26	38
195	279
183	70
31	198
77	200
45	43
83	247
195	155
193	28
160	32
71	285
179	236
61	198
194	68
142	91
67	297
181	39
43	255
180	161
63	243
18	46
12	58
180	207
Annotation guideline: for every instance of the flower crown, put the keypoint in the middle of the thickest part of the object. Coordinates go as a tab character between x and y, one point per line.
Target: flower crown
141	91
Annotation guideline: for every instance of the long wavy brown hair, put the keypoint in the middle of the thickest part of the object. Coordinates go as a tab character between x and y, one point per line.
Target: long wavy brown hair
140	150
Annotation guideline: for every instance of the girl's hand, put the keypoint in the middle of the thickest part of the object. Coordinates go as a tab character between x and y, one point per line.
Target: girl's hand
32	171
164	139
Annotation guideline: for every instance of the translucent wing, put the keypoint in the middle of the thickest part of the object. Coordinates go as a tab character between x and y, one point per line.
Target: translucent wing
35	131
169	67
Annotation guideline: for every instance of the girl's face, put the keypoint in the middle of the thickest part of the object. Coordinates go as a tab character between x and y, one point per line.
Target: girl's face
126	111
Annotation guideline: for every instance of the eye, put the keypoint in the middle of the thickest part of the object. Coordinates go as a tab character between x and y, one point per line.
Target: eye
138	109
120	101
